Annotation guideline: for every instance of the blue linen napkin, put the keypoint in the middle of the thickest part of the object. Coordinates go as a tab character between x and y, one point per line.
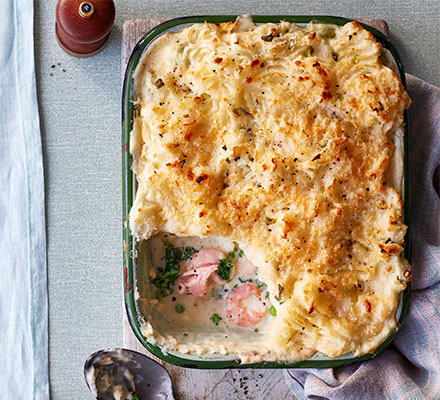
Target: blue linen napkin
23	291
410	368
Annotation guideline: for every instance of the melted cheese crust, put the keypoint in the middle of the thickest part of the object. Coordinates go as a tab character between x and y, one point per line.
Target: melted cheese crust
281	138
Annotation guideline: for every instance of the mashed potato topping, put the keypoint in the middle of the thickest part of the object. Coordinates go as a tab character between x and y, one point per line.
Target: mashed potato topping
285	140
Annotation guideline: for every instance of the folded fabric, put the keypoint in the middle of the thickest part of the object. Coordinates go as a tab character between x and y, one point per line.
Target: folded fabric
410	368
23	292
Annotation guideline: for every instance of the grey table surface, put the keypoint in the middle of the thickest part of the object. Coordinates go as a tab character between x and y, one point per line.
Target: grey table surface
79	102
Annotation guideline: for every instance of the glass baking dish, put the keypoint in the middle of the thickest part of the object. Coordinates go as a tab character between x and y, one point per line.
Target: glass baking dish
130	247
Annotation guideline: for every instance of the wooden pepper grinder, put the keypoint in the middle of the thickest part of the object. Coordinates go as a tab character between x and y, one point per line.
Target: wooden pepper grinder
82	28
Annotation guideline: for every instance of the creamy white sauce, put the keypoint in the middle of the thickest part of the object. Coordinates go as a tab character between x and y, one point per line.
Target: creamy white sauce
194	326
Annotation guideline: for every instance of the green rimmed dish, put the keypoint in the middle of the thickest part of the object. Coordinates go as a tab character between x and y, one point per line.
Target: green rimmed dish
129	186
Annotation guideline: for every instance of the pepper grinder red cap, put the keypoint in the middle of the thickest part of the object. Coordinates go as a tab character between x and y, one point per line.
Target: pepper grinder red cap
82	28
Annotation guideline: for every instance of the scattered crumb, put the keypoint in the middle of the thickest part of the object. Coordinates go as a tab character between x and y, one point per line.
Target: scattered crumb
53	66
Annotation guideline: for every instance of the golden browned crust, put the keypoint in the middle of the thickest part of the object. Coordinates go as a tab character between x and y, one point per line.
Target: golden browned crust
281	138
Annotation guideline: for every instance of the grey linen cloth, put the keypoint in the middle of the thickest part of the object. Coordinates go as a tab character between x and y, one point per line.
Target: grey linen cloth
410	368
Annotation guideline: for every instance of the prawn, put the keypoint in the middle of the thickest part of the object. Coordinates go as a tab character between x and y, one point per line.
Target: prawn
202	268
238	313
245	267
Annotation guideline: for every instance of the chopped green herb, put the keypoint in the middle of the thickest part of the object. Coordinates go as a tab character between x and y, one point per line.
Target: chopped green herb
330	34
278	298
259	283
215	318
185	334
241	111
224	269
272	311
267	295
308	51
269	220
245	280
231	255
235	286
134	397
166	277
180	308
267	38
187	252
